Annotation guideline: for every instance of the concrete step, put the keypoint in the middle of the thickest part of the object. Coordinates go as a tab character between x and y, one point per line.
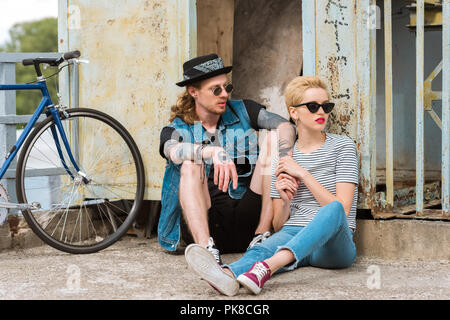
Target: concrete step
394	239
403	239
21	237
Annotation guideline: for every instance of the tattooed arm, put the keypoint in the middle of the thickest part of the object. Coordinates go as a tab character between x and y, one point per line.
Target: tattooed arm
224	167
172	146
286	130
180	151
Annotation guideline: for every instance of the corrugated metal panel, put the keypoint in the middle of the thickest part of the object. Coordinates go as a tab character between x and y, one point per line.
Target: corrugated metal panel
420	148
366	104
388	102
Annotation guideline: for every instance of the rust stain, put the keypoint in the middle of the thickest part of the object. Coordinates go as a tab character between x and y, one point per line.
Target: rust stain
333	74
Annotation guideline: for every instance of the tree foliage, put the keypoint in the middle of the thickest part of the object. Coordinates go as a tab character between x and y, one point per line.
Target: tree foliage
32	36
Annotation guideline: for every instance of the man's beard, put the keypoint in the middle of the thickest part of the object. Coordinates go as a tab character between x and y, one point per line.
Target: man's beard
216	110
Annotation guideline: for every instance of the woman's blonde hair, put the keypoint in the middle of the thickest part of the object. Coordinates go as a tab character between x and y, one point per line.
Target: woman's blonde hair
184	108
293	94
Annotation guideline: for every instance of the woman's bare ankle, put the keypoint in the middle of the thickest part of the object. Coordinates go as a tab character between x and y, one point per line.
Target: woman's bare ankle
228	271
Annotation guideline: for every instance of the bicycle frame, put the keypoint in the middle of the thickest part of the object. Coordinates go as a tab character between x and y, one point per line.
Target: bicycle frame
46	102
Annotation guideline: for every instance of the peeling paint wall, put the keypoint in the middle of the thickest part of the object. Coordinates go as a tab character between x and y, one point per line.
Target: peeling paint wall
135	49
341	48
336	61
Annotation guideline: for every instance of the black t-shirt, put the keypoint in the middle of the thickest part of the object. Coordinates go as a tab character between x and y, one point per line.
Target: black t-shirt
253	108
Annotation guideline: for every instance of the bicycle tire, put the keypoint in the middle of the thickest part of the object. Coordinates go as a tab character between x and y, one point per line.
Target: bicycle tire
113	208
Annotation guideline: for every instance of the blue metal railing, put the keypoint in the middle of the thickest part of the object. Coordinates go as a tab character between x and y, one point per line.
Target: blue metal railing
8	115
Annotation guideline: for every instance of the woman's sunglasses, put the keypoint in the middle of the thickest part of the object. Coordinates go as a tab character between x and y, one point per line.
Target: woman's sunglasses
218	90
313	107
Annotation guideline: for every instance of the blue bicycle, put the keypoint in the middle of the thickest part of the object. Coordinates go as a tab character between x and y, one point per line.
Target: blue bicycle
79	177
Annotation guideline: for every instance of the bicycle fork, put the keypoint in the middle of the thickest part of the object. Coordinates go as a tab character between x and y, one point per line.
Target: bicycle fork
81	176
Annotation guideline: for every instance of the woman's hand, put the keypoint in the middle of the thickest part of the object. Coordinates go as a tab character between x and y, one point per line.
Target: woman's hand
286	186
289	166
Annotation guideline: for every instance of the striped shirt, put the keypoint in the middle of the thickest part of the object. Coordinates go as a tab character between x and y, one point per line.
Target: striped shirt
335	161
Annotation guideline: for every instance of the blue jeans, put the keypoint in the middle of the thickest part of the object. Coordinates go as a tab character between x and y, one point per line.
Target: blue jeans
326	242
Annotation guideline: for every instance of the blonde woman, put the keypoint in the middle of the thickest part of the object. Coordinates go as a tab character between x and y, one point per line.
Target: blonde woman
314	196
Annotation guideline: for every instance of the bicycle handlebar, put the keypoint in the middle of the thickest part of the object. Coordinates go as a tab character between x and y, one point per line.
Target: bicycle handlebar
51	61
71	55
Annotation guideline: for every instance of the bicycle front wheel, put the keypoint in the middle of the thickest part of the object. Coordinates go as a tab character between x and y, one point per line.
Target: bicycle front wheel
85	210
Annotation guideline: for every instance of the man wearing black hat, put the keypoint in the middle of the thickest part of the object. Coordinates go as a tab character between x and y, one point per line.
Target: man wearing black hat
215	191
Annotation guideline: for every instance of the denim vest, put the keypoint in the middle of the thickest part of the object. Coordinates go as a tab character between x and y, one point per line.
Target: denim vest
236	137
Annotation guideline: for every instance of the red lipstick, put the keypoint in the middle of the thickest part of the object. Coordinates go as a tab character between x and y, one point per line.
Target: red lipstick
320	120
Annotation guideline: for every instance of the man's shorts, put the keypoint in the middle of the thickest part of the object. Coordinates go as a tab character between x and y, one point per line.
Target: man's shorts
232	222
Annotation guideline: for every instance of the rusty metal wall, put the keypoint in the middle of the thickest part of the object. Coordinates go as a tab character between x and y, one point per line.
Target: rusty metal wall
403	87
135	50
412	155
336	60
371	61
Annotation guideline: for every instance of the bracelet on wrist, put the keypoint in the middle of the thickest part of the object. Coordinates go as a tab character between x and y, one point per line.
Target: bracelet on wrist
198	158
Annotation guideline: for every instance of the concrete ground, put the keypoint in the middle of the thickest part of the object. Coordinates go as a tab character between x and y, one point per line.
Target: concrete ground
136	268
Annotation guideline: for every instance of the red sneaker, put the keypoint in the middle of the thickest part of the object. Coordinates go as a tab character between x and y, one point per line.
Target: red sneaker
255	278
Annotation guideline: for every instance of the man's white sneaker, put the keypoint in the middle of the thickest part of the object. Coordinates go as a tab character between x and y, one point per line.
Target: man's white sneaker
204	264
212	248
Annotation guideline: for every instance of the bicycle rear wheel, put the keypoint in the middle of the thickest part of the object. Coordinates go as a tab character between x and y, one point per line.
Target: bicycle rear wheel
87	210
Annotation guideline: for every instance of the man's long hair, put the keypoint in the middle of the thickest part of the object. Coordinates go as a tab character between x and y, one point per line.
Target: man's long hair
184	108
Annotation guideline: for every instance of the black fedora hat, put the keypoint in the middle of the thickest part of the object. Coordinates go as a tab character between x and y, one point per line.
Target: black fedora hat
201	68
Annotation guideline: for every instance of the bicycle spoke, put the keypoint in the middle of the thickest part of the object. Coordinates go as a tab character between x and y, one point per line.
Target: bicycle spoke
110	203
124	190
59	220
45	156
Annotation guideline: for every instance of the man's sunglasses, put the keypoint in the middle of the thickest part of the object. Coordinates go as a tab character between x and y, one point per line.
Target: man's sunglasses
313	107
218	90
